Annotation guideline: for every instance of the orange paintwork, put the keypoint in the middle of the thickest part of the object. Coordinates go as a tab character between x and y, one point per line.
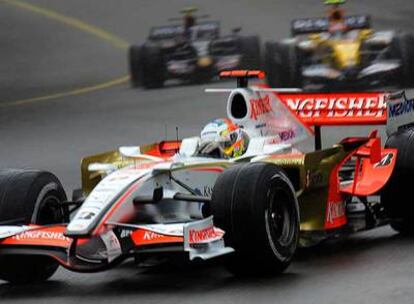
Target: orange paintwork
142	237
52	236
243	73
372	175
164	149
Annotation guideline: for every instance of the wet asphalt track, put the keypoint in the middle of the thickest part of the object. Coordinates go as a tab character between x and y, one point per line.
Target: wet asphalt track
41	56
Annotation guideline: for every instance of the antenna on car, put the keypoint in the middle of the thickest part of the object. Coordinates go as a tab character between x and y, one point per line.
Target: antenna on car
177	137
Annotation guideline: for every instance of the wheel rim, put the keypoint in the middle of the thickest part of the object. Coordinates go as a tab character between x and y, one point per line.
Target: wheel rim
279	219
50	211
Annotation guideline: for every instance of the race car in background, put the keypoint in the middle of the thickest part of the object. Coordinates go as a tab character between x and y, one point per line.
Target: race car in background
162	199
340	52
193	51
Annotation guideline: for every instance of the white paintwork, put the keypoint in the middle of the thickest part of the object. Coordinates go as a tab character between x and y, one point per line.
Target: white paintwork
321	71
112	245
107	168
400	112
380	67
189	146
102	196
381	37
209	245
7	231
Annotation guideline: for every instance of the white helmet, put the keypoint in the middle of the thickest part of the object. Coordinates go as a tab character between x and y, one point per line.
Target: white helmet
222	138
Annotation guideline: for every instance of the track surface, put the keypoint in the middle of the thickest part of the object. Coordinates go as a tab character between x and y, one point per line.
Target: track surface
43	57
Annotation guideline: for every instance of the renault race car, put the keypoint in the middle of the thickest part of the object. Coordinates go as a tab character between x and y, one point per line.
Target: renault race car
193	51
162	199
338	53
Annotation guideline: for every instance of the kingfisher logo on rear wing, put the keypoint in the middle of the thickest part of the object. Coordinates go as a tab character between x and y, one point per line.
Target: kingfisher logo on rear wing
338	109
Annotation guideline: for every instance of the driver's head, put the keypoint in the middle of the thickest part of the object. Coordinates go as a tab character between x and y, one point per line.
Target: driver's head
336	20
336	15
222	138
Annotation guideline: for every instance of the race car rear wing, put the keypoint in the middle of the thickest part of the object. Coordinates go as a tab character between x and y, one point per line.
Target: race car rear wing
172	31
318	25
347	109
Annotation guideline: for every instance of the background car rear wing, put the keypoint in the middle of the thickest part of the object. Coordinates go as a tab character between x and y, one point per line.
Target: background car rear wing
336	109
317	25
165	32
174	30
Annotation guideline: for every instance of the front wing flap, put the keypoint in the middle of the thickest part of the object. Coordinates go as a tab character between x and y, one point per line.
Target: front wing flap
119	241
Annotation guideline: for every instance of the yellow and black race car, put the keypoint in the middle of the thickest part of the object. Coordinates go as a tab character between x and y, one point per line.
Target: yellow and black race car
339	52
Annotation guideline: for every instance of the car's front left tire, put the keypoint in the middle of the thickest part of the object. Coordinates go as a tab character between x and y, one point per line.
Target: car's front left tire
255	204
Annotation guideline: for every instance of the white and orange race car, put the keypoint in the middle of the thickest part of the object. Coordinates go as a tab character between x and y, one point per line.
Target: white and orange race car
165	198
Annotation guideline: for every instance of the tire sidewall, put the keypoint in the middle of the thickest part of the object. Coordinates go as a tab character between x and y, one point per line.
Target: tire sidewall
284	252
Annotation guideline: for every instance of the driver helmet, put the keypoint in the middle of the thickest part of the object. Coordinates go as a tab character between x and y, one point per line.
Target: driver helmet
336	20
222	138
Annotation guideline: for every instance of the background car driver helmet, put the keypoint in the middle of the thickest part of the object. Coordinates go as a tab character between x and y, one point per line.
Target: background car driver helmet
222	138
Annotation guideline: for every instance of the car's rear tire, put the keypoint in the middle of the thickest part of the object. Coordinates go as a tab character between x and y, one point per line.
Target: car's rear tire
251	54
29	197
153	67
256	206
282	65
397	193
135	65
402	48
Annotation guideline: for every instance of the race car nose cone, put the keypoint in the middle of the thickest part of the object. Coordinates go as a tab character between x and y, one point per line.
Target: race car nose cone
204	61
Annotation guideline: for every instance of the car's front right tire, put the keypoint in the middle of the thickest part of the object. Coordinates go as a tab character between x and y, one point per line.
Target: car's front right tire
29	197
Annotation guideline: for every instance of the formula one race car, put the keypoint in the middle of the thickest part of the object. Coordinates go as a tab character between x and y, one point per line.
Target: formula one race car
193	51
177	197
340	52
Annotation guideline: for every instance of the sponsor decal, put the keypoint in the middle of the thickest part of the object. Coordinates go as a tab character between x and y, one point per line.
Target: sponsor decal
261	126
336	210
368	105
86	215
42	235
203	235
142	237
284	160
125	233
287	135
385	161
401	108
260	106
206	191
150	235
